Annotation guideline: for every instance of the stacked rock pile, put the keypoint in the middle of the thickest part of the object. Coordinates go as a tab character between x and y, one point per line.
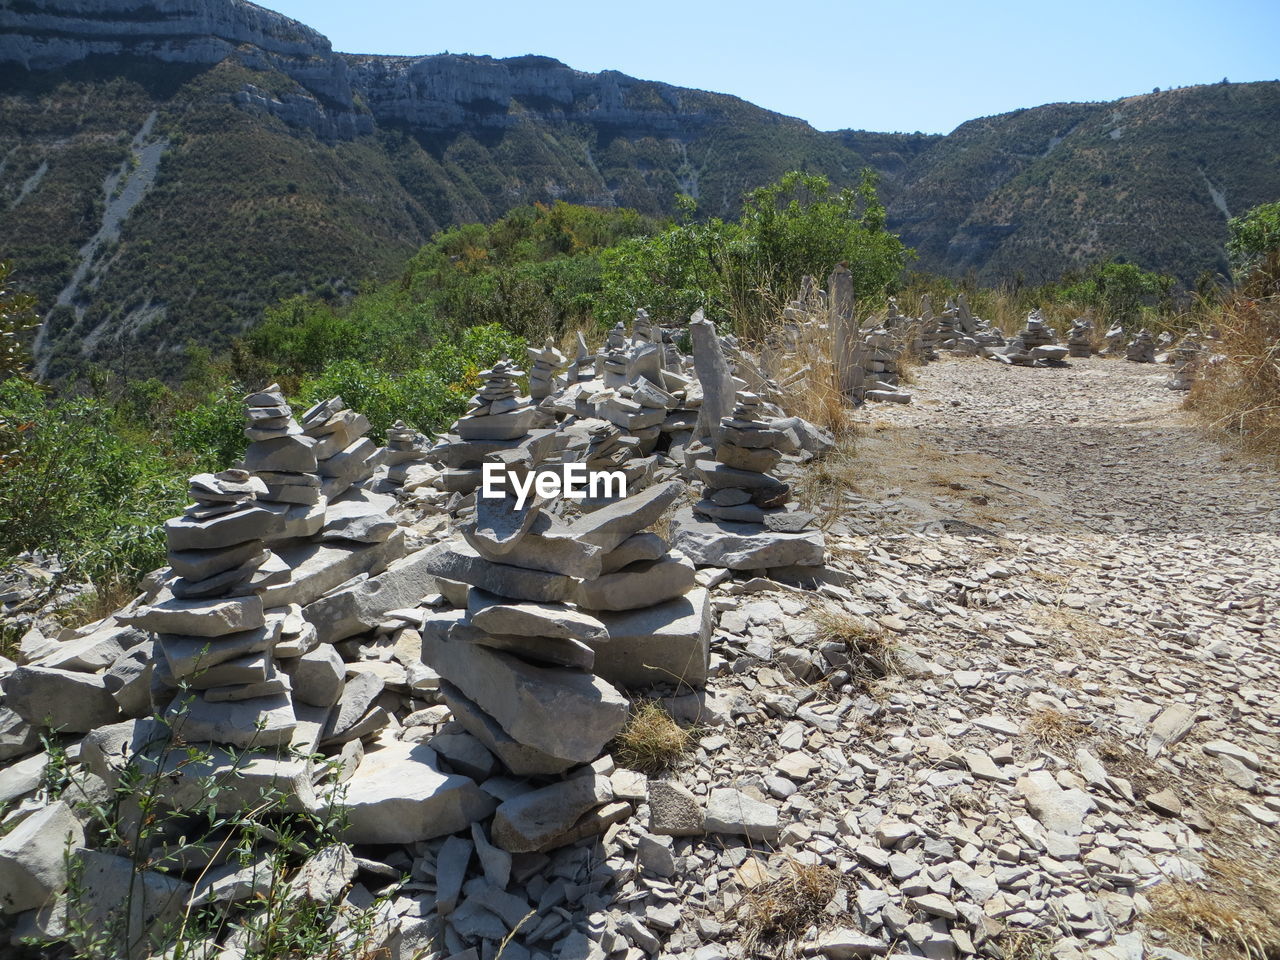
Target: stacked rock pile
1114	341
498	423
1142	348
344	455
1035	346
284	458
879	355
1080	338
406	448
1185	358
742	522
214	635
545	364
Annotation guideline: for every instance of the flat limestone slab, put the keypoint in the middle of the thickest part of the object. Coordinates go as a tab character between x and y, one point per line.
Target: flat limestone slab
494	614
455	560
399	795
665	643
363	605
522	760
235	723
743	546
643	584
320	567
561	712
199	618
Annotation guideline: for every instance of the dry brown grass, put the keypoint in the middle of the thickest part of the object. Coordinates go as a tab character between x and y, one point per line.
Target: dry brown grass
1233	913
93	605
1026	945
1239	393
823	484
651	742
776	914
1053	728
872	655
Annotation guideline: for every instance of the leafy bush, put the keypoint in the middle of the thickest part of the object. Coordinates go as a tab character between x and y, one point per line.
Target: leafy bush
1253	236
17	317
1120	290
75	484
743	271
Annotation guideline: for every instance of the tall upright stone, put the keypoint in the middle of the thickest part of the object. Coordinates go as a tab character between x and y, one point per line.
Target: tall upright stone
844	330
714	375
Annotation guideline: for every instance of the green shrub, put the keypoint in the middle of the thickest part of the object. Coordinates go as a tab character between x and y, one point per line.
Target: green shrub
75	484
1253	236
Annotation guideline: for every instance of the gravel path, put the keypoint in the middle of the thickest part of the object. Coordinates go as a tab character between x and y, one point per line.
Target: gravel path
1078	585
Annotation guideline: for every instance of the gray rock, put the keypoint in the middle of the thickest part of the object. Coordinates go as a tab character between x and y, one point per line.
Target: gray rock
62	700
847	944
94	651
458	561
360	515
520	759
289	454
218	533
318	568
732	811
258	722
399	795
495	614
718	390
535	820
674	811
639	546
496	862
17	736
187	655
318	677
613	524
552	651
362	606
33	865
21	778
464	753
451	870
129	679
549	546
560	712
1061	811
668	642
643	584
357	697
200	618
325	874
738	546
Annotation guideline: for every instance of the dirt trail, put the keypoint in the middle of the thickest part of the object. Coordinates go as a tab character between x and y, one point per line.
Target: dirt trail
1071	553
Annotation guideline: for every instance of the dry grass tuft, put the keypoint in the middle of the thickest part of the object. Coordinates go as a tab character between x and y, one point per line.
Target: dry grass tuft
1235	912
872	655
1052	728
776	914
1026	945
651	742
823	484
1239	392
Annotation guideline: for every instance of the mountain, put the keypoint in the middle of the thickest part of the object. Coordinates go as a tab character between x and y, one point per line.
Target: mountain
168	170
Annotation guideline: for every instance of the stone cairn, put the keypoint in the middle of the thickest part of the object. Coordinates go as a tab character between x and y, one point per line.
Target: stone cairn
879	355
406	448
1035	346
545	364
498	422
213	634
344	455
1114	341
1080	338
284	458
1142	348
742	522
549	618
1186	358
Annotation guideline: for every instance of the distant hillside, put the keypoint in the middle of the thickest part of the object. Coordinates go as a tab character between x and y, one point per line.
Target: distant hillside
1153	178
168	170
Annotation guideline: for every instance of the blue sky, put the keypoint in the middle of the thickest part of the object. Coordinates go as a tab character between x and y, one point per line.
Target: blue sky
925	66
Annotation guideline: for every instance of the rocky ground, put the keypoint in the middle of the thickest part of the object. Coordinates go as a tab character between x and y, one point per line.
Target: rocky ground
1074	585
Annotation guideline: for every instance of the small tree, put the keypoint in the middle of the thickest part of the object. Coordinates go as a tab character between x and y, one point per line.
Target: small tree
1120	290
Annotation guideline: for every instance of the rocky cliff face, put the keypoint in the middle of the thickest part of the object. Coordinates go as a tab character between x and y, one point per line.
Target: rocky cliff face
342	96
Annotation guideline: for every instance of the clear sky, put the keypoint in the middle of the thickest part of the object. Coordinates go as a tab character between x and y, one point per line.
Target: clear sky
927	65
